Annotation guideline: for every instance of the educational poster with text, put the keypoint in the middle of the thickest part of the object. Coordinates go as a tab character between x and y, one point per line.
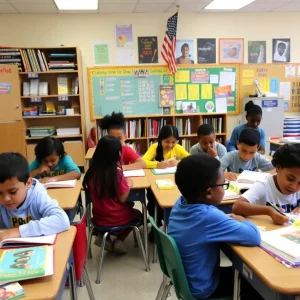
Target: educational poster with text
206	90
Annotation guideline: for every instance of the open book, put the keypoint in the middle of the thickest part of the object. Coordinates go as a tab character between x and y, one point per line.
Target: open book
134	173
26	263
60	184
252	177
22	242
171	170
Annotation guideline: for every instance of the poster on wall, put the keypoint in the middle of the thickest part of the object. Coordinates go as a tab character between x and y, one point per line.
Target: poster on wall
101	53
185	52
124	36
281	50
257	52
148	52
231	50
206	51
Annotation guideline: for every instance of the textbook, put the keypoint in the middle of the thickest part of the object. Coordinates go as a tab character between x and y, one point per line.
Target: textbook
284	242
28	241
26	263
134	173
165	184
252	177
60	184
11	291
171	170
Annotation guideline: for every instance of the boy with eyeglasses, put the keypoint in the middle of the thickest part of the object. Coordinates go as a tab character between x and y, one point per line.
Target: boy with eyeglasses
198	226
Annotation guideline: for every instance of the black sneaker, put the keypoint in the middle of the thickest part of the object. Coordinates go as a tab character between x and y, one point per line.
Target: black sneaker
151	236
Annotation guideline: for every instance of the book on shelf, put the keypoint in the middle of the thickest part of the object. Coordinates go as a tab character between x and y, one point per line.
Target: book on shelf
165	184
28	241
26	88
135	128
183	126
135	146
43	88
134	173
68	131
11	56
216	122
251	177
60	184
11	291
26	263
154	126
75	86
186	144
41	131
171	170
62	85
34	87
51	55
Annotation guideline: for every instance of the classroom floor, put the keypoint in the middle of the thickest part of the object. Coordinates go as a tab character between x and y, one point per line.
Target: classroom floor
124	277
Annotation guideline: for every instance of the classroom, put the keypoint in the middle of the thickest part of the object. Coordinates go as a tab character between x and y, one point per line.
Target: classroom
83	80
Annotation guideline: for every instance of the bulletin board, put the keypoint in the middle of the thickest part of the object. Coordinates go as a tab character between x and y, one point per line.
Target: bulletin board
282	79
209	88
132	90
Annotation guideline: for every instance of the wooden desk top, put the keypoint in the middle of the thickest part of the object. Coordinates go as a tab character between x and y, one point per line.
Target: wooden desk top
275	141
48	287
66	197
140	183
90	153
271	272
167	198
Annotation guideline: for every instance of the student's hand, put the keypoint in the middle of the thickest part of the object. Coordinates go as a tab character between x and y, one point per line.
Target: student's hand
129	181
212	152
230	176
163	164
173	162
47	179
296	211
43	168
277	218
238	218
9	233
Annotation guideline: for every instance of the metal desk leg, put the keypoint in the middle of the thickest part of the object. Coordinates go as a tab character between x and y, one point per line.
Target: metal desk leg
144	211
154	245
237	285
72	281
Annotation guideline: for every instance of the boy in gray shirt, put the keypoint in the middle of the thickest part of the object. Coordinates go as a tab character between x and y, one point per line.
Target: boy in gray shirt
207	143
246	157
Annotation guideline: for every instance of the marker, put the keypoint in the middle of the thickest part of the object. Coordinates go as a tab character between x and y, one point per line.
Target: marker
280	212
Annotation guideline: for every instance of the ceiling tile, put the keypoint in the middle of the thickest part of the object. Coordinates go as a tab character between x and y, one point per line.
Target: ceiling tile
261	6
74	12
7	9
278	1
3	1
150	8
117	8
117	1
36	8
188	8
295	6
157	1
31	1
193	1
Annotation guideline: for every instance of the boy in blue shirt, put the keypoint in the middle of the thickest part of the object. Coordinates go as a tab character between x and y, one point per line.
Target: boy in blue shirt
246	157
198	226
25	207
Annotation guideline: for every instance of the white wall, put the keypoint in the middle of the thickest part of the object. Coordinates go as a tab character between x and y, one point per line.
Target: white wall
81	30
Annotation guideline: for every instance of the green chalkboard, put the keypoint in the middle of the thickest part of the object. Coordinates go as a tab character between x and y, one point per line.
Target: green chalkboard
131	90
207	89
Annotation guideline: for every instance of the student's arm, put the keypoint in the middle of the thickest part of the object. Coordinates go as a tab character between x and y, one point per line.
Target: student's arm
123	188
9	233
149	157
222	228
193	150
221	151
252	203
37	168
233	140
264	164
181	152
262	145
226	162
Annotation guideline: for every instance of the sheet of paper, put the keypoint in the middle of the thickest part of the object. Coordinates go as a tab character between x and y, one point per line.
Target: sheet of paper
228	78
182	76
214	79
171	170
221	105
274	85
264	84
193	92
248	73
179	105
285	90
206	91
247	81
125	57
290	71
101	53
134	173
181	91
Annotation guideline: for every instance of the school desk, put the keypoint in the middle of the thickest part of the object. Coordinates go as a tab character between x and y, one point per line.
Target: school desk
274	145
90	153
268	276
67	198
52	287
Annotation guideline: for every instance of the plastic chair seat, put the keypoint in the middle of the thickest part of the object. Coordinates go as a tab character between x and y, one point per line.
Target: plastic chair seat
133	223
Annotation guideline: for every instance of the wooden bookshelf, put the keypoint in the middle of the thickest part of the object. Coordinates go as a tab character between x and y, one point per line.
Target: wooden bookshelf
74	144
187	136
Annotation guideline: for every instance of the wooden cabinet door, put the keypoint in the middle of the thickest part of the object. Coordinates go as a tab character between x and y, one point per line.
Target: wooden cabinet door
10	101
12	137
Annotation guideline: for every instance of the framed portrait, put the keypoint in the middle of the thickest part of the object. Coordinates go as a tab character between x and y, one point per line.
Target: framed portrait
281	50
257	52
206	51
231	50
185	52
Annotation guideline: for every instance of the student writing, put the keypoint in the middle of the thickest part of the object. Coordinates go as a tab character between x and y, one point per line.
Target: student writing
207	142
253	117
25	207
115	125
52	163
246	157
198	226
282	189
109	190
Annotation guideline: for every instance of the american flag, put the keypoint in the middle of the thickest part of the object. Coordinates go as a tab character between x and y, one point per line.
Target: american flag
169	45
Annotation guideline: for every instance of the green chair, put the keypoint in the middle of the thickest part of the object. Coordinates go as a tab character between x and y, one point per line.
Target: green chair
171	265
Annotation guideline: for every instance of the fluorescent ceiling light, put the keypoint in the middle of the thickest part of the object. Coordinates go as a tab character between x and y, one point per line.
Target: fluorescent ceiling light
228	4
77	4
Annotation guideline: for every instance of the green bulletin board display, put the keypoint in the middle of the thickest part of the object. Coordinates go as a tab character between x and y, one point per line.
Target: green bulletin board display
131	90
207	89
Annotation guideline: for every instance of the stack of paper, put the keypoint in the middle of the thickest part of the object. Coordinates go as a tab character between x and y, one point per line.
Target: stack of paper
134	173
165	184
41	131
68	131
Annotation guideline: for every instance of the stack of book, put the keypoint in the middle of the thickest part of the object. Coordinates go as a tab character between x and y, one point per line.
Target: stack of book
186	144
217	123
58	61
34	60
135	128
183	126
155	126
41	131
11	56
68	131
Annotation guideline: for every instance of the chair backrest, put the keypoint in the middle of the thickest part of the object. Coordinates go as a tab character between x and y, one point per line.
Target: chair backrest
170	262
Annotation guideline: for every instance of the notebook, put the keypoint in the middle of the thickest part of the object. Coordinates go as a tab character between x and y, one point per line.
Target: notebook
134	173
165	184
171	170
22	242
252	177
60	184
